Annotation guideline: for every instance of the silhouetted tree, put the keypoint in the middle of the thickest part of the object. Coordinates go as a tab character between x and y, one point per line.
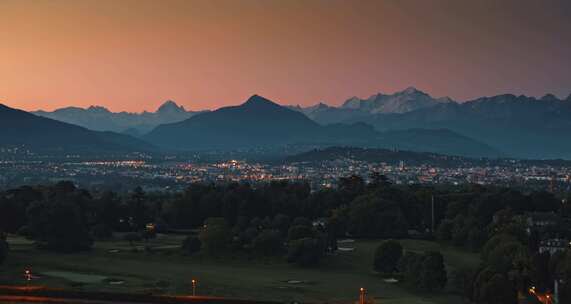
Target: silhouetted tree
138	209
59	221
494	288
372	216
432	274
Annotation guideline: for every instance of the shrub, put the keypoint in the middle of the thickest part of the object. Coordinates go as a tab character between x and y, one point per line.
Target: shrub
387	256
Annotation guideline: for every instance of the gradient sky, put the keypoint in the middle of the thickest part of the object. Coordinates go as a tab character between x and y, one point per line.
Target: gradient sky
134	54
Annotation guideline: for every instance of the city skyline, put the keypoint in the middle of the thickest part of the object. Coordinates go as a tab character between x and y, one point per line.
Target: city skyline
133	55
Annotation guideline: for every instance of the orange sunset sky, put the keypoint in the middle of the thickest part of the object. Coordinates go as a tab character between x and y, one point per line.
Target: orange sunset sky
134	54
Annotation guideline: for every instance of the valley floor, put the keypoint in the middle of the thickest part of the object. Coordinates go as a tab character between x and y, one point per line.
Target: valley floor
116	266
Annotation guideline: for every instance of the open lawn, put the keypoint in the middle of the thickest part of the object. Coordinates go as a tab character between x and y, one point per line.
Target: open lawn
118	266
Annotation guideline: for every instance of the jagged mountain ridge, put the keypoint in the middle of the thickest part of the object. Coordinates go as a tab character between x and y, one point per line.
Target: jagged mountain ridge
520	126
404	101
260	122
101	119
44	135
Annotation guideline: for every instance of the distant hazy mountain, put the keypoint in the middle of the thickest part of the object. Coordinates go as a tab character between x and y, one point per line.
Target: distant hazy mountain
260	123
355	108
101	119
41	134
325	114
400	102
520	126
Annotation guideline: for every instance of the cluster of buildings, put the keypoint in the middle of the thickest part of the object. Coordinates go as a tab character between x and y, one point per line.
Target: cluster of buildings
169	174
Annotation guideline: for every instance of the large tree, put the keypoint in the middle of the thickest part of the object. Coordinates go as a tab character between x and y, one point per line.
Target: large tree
491	287
373	216
59	220
59	225
432	275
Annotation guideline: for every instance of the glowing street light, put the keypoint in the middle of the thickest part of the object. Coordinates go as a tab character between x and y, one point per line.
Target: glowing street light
193	287
28	276
362	295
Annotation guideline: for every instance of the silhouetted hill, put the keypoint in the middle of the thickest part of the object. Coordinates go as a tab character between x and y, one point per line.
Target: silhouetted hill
395	156
261	123
392	157
20	128
257	122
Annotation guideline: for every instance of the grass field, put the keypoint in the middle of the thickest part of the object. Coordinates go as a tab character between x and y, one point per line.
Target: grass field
115	266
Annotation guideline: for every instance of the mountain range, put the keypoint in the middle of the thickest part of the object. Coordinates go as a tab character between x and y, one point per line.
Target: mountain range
503	125
44	135
101	119
354	108
260	122
518	126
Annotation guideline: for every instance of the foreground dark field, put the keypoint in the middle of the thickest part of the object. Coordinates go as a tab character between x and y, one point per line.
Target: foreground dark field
117	266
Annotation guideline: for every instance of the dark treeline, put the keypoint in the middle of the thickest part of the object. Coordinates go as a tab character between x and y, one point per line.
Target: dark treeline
286	218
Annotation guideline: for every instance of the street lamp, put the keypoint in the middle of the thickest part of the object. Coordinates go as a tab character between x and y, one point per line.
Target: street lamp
362	295
28	275
193	287
532	290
